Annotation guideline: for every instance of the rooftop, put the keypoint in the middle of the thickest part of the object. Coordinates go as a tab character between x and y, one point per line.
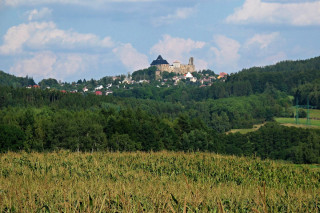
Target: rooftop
159	61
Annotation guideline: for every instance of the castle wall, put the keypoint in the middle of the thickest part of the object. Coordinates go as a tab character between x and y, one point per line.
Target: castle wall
177	67
183	69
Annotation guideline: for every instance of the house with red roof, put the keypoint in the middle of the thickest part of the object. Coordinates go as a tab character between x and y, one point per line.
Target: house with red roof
222	75
98	93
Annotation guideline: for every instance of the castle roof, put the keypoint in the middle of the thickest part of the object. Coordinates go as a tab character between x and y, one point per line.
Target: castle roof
159	61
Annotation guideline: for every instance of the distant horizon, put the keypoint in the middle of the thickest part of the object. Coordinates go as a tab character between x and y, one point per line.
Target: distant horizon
73	39
216	72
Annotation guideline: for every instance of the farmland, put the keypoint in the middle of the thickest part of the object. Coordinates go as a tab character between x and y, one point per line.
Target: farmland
154	182
302	122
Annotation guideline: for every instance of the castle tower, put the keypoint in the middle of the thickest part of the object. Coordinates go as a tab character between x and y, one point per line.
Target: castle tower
191	61
176	64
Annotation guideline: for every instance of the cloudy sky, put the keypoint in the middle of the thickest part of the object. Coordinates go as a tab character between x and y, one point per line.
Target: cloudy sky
75	39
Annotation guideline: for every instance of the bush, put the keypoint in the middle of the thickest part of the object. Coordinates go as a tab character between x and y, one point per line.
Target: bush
11	138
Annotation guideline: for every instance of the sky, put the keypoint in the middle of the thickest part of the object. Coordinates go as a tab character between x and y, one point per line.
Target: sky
82	39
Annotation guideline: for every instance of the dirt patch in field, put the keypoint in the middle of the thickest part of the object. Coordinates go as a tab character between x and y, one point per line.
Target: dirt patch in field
245	131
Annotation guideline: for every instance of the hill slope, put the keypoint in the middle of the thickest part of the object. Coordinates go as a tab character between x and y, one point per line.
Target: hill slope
284	76
11	80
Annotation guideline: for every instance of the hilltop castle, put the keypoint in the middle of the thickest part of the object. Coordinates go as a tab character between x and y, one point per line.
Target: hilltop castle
162	65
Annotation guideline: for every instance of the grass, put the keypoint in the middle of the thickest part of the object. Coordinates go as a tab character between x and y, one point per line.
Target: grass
314	122
154	182
314	113
302	122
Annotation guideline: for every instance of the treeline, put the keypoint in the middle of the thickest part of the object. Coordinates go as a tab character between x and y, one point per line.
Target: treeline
188	91
48	129
309	92
274	141
221	115
284	76
11	80
145	74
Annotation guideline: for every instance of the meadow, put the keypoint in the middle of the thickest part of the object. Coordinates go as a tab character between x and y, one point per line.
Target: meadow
314	119
302	122
154	182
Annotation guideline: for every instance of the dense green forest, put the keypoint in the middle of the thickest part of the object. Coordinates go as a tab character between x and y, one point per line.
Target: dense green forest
183	117
11	80
134	129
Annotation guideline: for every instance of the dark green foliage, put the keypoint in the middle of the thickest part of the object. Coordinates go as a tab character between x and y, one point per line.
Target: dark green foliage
134	129
145	74
284	76
208	72
11	80
278	142
309	91
11	138
51	83
302	113
166	75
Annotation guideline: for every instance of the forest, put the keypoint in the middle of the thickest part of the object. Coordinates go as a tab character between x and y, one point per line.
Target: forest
181	118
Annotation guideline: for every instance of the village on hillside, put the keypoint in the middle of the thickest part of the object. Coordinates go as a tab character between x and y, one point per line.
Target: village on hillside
160	74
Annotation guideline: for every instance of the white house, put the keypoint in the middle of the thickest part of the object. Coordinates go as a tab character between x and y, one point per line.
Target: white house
190	76
109	92
98	87
85	89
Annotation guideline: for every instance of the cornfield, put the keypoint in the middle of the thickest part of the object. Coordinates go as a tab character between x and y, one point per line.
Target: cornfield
154	182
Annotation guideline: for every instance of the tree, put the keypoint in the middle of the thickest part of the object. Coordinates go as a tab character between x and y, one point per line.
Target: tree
122	142
50	82
12	138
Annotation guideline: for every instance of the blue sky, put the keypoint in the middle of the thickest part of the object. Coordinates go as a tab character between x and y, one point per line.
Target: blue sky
76	39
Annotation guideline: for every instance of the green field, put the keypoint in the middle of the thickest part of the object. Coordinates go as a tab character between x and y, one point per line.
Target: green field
302	122
314	122
154	182
315	113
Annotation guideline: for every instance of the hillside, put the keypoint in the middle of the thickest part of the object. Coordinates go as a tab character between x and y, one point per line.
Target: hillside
146	116
284	76
11	80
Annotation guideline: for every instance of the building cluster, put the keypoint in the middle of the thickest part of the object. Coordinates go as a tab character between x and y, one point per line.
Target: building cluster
163	66
181	72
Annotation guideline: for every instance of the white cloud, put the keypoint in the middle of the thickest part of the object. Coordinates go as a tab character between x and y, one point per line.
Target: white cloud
50	65
226	53
44	35
230	55
201	64
180	13
38	14
92	3
131	58
297	14
40	65
262	40
175	48
44	51
107	42
272	59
